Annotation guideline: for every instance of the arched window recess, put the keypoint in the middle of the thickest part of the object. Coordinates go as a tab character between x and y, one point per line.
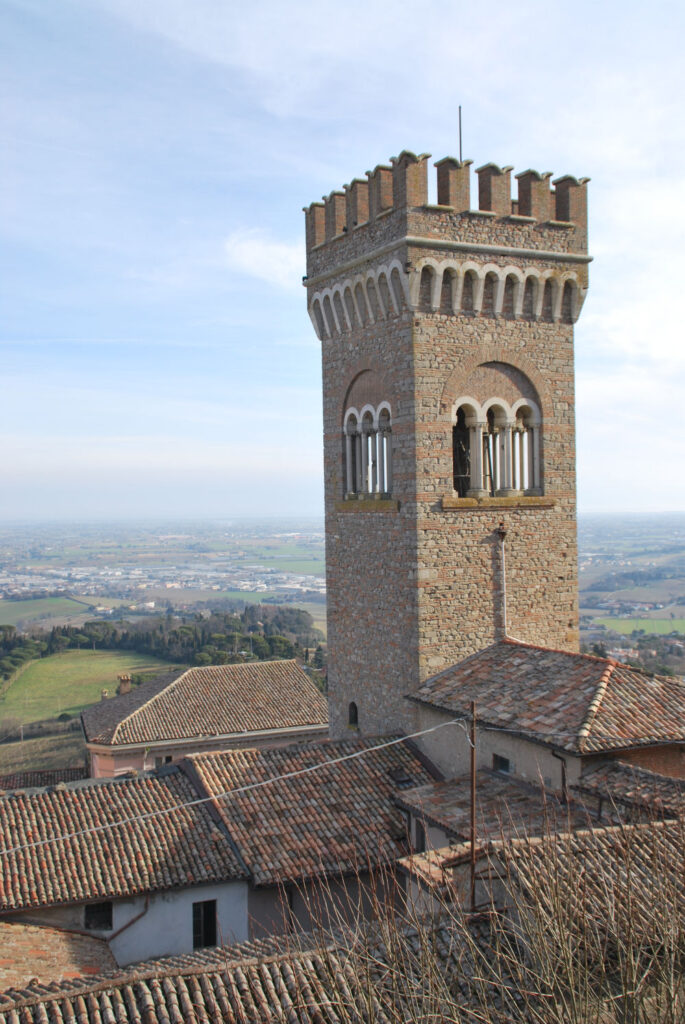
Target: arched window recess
368	451
496	449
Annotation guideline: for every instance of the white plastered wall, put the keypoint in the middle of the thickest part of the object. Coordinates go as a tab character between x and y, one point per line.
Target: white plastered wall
449	750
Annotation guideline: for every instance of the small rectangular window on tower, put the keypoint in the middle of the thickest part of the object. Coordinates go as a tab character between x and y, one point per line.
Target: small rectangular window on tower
501	764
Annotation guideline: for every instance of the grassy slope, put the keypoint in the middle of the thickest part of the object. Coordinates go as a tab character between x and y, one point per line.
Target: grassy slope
65	751
12	612
69	682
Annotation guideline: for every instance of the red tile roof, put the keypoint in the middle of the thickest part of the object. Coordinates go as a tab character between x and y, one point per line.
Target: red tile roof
312	980
620	877
505	805
623	784
181	848
330	821
572	701
210	701
596	868
44	777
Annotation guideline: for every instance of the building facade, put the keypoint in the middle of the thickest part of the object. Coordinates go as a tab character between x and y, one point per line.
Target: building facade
449	435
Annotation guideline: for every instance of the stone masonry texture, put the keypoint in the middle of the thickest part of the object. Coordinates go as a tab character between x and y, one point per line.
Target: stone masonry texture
419	305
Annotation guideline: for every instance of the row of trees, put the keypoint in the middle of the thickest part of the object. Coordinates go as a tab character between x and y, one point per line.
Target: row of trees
259	632
16	649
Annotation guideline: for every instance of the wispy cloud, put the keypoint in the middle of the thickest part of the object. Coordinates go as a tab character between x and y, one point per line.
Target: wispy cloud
255	253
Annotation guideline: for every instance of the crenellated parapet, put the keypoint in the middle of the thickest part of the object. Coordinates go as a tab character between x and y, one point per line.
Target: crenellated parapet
389	207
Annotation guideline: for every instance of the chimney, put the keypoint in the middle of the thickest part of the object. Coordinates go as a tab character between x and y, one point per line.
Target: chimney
124	684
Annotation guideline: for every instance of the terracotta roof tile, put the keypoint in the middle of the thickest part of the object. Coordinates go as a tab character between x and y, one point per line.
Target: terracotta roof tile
306	981
44	777
595	867
573	701
210	701
164	852
505	805
324	822
627	784
592	866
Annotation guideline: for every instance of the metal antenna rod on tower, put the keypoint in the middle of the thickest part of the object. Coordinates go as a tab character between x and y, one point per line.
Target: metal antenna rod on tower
460	160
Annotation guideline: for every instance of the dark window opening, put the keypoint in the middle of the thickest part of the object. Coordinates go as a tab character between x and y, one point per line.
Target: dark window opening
204	924
501	764
168	759
420	833
461	456
98	916
352	715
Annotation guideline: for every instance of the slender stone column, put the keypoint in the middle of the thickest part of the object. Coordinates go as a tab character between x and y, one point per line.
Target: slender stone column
387	441
534	460
349	475
365	462
476	490
358	467
376	463
507	439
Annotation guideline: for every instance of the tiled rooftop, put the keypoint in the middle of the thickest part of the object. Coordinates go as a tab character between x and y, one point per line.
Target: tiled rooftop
628	784
573	701
313	982
29	952
505	805
210	701
592	866
609	875
183	847
46	777
329	821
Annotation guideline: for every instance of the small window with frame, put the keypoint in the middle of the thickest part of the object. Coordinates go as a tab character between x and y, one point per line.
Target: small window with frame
97	917
204	924
501	764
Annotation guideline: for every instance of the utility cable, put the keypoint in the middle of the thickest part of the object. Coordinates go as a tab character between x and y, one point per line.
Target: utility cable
164	811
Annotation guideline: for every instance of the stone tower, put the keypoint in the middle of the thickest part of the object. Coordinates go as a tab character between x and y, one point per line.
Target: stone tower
448	403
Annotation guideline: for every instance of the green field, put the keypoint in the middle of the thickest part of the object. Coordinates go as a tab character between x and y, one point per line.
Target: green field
299	566
70	682
12	612
660	626
67	750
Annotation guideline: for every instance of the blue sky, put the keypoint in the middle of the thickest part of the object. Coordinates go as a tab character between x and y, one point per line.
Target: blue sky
156	152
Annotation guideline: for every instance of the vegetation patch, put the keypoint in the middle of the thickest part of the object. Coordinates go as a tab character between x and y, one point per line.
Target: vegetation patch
628	626
12	612
66	683
67	750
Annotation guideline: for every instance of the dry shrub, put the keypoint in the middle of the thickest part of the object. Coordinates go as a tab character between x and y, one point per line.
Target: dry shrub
583	928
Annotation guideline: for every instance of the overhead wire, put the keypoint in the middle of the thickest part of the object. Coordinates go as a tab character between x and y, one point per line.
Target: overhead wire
165	811
272	780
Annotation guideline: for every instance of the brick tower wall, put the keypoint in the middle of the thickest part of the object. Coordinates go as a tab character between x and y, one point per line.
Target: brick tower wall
416	579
